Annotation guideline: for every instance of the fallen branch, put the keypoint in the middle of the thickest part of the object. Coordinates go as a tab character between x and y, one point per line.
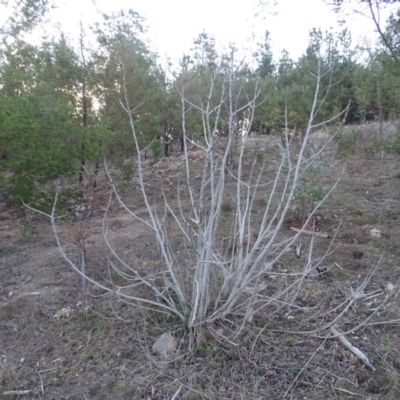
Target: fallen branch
30	294
316	234
16	392
353	349
373	294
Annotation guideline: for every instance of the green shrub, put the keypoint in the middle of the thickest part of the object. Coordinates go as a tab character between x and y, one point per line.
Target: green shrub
309	190
156	148
347	143
128	170
392	146
28	230
41	140
307	194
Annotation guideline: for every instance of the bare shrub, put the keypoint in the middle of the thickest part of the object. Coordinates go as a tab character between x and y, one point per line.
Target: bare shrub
215	259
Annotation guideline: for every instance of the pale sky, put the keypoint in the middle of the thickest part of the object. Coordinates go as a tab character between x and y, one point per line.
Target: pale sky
174	24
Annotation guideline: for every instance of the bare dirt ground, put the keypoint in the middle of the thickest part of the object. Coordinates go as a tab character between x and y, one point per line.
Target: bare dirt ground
102	349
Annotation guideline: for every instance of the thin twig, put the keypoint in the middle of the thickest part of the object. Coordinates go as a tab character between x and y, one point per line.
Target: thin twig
41	380
177	392
348	392
311	233
303	368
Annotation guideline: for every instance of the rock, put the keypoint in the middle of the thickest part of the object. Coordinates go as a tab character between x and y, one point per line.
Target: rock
165	345
389	287
5	216
375	233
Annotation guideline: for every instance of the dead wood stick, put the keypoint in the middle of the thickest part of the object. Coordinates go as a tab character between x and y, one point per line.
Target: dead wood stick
372	295
338	266
348	392
316	234
176	394
16	392
353	349
30	294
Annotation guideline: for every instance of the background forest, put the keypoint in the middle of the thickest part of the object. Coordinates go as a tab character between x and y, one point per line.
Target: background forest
60	104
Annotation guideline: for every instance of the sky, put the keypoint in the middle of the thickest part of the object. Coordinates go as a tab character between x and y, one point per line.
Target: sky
177	22
174	24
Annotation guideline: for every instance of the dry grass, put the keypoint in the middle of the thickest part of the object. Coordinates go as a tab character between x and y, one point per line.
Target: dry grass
104	351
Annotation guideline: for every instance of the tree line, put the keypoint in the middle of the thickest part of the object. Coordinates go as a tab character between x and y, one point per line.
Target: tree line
60	103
